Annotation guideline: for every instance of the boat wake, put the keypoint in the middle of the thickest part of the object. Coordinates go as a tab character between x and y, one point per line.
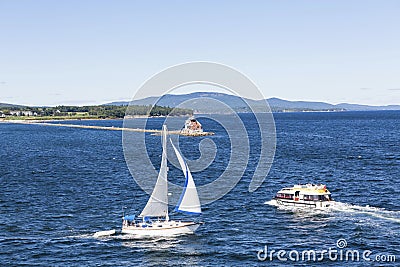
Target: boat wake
271	202
346	208
380	213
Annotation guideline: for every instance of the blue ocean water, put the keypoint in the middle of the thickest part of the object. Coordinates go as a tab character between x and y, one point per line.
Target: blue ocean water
60	185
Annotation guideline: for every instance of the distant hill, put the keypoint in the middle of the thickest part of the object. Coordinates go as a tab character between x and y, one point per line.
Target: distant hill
175	100
356	107
196	104
299	105
237	103
7	105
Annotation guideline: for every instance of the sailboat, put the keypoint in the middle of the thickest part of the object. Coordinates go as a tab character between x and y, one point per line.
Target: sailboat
154	219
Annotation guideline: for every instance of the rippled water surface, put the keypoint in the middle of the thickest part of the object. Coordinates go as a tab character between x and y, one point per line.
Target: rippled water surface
60	185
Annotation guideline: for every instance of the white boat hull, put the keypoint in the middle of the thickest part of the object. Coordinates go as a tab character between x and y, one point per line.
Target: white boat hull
169	228
302	203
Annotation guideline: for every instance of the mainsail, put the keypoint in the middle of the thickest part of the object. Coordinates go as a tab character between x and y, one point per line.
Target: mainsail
157	206
189	201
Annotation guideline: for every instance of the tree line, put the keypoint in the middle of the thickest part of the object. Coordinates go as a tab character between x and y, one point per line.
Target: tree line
100	111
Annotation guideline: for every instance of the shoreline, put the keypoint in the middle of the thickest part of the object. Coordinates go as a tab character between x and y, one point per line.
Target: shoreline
27	121
110	128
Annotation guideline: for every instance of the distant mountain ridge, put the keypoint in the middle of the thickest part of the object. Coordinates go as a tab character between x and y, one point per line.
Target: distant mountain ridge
7	105
237	103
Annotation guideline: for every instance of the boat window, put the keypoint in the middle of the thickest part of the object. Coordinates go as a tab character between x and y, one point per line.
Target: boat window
280	195
315	197
286	196
289	196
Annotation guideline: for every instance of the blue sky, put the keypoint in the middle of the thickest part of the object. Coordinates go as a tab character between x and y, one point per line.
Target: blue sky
91	52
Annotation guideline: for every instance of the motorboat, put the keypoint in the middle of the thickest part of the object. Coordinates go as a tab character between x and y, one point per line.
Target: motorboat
308	195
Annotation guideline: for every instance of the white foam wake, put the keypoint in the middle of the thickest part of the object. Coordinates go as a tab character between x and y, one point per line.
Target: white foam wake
347	208
380	213
271	202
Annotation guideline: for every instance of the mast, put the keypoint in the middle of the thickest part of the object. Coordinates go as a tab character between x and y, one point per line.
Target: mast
164	156
157	205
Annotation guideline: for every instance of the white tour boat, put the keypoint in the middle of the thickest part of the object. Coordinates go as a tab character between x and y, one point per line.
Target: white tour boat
308	195
154	219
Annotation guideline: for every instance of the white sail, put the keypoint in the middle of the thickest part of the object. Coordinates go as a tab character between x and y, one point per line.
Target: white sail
157	206
189	201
